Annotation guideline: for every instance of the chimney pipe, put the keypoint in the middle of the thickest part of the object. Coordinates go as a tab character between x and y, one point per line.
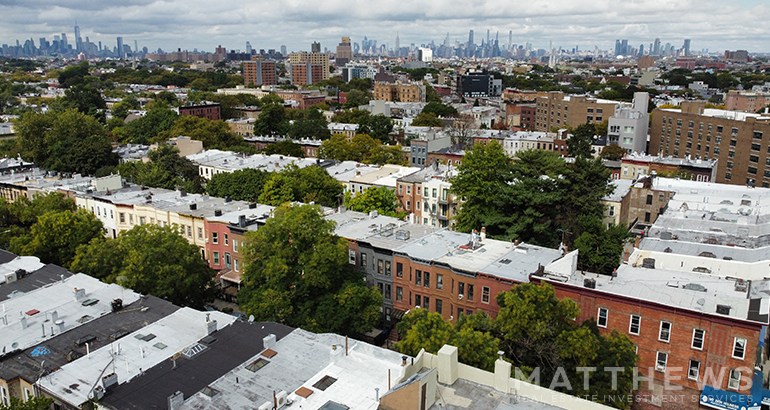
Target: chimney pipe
377	393
403	360
346	345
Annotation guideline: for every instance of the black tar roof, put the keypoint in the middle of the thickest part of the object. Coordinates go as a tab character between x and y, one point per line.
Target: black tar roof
44	276
234	345
6	256
26	364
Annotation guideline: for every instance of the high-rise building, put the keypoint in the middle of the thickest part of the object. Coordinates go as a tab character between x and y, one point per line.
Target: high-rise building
315	47
78	41
344	52
248	48
259	72
121	53
617	48
656	47
398	45
624	47
309	68
283	51
686	47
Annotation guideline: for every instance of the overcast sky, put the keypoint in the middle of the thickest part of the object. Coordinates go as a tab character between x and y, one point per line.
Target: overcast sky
203	24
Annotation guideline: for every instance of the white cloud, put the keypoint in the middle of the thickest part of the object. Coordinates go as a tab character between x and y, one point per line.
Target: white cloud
203	24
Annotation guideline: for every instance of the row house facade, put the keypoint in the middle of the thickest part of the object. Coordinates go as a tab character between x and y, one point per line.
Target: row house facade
686	334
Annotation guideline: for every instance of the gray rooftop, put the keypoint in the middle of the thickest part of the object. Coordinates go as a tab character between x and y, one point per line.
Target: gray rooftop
621	189
39	278
302	359
467	395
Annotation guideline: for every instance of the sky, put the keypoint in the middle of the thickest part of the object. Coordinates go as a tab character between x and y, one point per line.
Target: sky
204	24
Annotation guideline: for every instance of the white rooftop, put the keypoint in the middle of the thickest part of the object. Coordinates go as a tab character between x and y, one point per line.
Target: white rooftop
28	318
27	263
127	357
302	359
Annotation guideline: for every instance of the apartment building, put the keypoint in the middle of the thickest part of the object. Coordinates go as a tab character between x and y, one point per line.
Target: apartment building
737	139
628	126
691	328
344	52
557	110
259	72
306	73
205	109
746	101
522	141
398	91
315	58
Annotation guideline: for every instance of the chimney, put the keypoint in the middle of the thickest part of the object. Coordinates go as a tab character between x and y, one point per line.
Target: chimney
193	207
228	199
217	212
182	192
23	321
211	326
252	205
268	341
483	233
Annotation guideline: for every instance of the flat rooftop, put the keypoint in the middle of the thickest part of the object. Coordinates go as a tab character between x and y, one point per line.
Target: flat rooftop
730	115
301	360
520	261
724	252
46	275
233	345
25	263
694	291
30	316
467	395
69	346
133	354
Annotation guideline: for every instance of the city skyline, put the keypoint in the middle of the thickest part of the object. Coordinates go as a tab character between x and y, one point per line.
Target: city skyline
566	24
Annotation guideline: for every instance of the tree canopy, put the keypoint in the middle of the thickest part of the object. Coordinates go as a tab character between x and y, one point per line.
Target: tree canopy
65	141
166	169
285	147
151	260
613	152
380	199
579	143
360	148
297	273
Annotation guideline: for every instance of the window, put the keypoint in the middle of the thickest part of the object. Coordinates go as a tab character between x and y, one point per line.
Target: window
612	210
470	292
660	362
142	220
754	147
649	199
752	170
739	348
635	325
399	269
228	260
363	260
235	249
435	192
399	294
189	233
601	319
758	135
227	239
235	265
417	300
388	294
460	288
439	281
426	279
216	258
351	256
697	338
408	189
439	306
693	370
380	266
426	192
418	277
665	332
214	237
200	233
387	268
426	303
484	294
735	379
122	217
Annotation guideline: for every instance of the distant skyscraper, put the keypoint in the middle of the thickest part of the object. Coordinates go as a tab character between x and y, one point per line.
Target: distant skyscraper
510	39
686	47
617	48
656	47
248	48
624	47
470	39
315	47
78	41
283	50
398	44
120	48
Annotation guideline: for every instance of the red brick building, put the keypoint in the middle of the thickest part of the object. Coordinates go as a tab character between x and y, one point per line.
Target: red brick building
208	110
689	327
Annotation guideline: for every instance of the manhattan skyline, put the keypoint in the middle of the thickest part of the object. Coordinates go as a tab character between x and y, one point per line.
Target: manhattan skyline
170	25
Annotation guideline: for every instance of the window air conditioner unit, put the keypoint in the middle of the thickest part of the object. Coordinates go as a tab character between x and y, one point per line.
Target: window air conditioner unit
460	296
660	367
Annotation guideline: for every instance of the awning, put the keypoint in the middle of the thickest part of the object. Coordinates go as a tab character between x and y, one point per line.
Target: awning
232	276
730	400
398	314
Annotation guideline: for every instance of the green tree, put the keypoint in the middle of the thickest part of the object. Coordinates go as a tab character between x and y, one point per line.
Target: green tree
214	134
84	98
377	126
34	403
277	190
241	185
336	148
427	120
272	120
297	273
65	141
166	169
74	75
285	147
613	152
310	124
151	260
600	249
313	184
579	144
143	130
353	116
439	109
380	199
357	98
601	128
482	179
56	236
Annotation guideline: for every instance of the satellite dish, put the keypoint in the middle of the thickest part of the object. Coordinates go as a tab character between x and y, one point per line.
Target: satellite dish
251	319
14	345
